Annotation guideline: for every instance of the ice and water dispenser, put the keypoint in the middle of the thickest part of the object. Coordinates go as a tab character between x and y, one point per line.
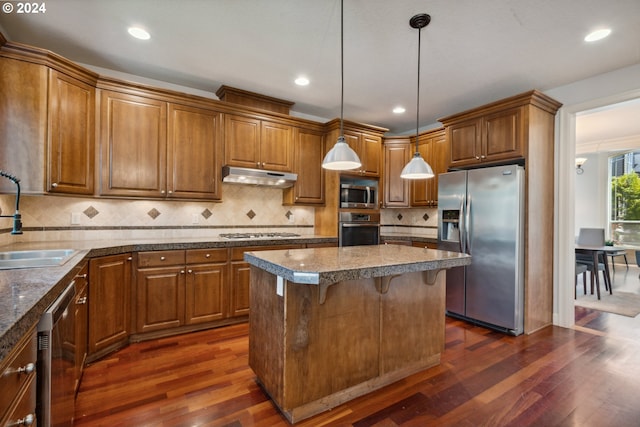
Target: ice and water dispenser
450	226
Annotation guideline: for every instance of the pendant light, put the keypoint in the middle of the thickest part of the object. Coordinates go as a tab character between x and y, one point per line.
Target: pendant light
417	168
341	156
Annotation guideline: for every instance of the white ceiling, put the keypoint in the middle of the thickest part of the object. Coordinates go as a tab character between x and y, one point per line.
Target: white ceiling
473	52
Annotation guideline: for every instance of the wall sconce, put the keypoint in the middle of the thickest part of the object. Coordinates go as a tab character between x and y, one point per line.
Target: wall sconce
579	162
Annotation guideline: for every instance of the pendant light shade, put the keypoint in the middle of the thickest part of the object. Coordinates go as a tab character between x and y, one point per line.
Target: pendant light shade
418	168
341	156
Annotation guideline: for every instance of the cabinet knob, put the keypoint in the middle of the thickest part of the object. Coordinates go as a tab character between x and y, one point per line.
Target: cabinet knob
81	276
170	192
161	191
483	157
81	301
27	369
181	271
189	271
477	157
130	258
162	258
207	256
54	184
26	421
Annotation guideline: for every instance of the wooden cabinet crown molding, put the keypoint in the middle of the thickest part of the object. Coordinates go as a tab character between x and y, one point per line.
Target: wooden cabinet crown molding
49	59
532	97
255	100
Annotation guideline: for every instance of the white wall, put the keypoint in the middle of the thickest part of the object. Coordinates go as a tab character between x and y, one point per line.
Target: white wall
591	197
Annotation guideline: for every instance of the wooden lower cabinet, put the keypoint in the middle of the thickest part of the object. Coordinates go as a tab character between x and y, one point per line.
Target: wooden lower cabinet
178	288
18	382
109	303
240	277
81	327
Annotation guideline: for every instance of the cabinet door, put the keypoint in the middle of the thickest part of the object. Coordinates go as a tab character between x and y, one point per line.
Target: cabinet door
205	293
23	124
71	135
502	137
134	145
239	295
109	302
194	153
370	154
242	139
420	188
276	147
159	298
308	156
465	141
396	189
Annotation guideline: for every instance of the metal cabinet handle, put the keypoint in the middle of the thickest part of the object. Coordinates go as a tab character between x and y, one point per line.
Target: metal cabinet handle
81	276
26	421
27	369
81	301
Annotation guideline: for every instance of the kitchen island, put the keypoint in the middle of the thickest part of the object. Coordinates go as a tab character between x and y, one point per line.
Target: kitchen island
330	324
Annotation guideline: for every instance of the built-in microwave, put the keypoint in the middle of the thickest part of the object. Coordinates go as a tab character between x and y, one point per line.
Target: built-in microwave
362	194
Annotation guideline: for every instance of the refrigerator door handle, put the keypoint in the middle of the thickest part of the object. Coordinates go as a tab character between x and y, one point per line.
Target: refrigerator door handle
467	228
461	225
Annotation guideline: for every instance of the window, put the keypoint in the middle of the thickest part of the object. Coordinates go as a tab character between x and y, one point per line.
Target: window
624	184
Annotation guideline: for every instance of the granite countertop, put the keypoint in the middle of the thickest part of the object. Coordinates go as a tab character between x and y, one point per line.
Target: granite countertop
321	266
26	293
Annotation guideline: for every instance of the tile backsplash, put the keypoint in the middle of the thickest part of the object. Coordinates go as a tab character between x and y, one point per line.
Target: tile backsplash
244	207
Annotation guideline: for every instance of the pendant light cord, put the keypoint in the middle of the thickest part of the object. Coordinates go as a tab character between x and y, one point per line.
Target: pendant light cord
342	68
418	93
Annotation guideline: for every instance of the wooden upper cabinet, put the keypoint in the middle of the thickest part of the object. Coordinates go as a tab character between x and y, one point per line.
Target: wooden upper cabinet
23	124
397	152
490	138
258	144
434	148
369	149
133	145
194	153
308	155
71	139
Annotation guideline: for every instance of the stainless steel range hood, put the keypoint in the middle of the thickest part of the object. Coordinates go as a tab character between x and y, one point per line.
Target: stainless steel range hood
236	175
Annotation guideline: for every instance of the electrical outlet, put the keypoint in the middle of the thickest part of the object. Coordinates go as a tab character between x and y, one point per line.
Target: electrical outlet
75	218
291	219
195	218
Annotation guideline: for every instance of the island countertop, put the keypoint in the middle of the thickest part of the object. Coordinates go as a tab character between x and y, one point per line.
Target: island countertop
323	266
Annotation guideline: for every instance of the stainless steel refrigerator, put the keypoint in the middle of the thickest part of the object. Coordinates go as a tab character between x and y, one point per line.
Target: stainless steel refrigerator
481	212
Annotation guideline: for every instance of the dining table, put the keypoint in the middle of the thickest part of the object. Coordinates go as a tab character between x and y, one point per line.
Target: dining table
598	253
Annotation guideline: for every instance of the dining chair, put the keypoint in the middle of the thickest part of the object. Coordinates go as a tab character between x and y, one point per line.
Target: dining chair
594	237
580	269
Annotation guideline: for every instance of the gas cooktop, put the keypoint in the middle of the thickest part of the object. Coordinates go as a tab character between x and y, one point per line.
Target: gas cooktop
237	236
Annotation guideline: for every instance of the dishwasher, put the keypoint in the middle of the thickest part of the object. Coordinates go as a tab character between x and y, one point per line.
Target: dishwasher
56	362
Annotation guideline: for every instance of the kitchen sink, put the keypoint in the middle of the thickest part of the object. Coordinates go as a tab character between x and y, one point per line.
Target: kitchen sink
35	258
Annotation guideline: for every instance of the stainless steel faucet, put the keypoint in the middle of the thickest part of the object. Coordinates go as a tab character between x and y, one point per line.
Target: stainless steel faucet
17	218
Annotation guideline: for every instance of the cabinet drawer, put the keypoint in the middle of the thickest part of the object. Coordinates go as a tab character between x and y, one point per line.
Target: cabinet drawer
15	372
237	254
24	408
160	258
203	256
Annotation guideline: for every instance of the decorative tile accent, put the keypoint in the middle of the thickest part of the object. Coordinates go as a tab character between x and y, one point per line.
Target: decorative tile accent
425	217
251	214
288	214
399	217
154	213
91	212
206	213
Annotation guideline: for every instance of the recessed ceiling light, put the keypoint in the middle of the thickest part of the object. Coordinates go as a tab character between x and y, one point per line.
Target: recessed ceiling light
302	81
597	35
139	33
399	110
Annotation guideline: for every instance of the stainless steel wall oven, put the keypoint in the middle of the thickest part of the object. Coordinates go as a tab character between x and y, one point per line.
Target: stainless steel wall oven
356	228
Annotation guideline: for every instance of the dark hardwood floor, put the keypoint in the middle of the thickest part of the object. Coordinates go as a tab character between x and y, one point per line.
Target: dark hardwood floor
555	377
